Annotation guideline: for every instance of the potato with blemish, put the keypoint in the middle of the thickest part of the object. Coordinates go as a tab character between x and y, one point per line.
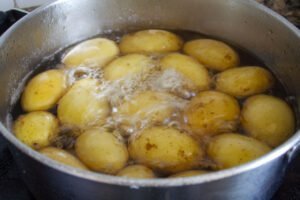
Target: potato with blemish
101	151
268	119
189	173
211	113
190	69
83	106
63	157
136	171
146	107
213	54
36	129
230	150
128	66
150	41
165	149
91	53
244	81
43	91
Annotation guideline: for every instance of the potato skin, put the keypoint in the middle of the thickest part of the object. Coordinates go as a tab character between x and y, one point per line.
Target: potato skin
268	119
230	150
43	91
63	157
189	68
128	65
244	81
36	129
136	171
150	41
150	107
189	173
101	151
91	53
165	149
81	107
213	54
211	113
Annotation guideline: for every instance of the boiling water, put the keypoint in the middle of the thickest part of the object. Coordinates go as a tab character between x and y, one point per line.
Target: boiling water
125	89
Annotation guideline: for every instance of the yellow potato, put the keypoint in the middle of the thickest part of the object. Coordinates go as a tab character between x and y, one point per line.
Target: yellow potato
91	53
36	129
63	157
150	41
165	149
43	91
244	81
189	173
128	66
136	171
189	68
82	107
229	150
145	108
213	54
212	112
268	119
101	151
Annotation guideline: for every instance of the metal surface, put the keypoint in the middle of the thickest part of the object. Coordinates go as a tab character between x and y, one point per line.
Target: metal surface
244	23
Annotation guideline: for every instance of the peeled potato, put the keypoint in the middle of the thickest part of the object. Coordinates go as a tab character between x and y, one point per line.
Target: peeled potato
213	54
62	156
268	119
150	41
189	68
147	107
188	173
136	171
43	91
212	112
81	106
165	149
91	53
244	81
36	129
127	66
229	150
101	151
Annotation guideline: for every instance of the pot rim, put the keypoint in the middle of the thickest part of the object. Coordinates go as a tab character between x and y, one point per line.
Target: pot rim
159	182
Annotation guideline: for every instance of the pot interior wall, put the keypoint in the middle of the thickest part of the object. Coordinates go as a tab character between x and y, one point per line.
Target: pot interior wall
66	22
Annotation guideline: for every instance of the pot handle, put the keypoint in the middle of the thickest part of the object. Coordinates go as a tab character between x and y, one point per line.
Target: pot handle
8	18
293	152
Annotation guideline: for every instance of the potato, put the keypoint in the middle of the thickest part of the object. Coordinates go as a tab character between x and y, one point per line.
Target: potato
244	81
189	173
165	149
189	68
213	54
229	150
43	91
82	107
268	119
101	151
211	113
145	108
150	41
128	66
136	171
91	53
63	157
36	129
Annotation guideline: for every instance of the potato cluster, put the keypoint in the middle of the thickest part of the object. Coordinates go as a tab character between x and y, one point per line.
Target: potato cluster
153	105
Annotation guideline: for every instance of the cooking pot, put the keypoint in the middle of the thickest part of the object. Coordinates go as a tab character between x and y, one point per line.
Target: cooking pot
246	24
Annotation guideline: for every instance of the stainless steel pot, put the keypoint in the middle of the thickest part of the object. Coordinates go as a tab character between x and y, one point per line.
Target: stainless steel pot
244	23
